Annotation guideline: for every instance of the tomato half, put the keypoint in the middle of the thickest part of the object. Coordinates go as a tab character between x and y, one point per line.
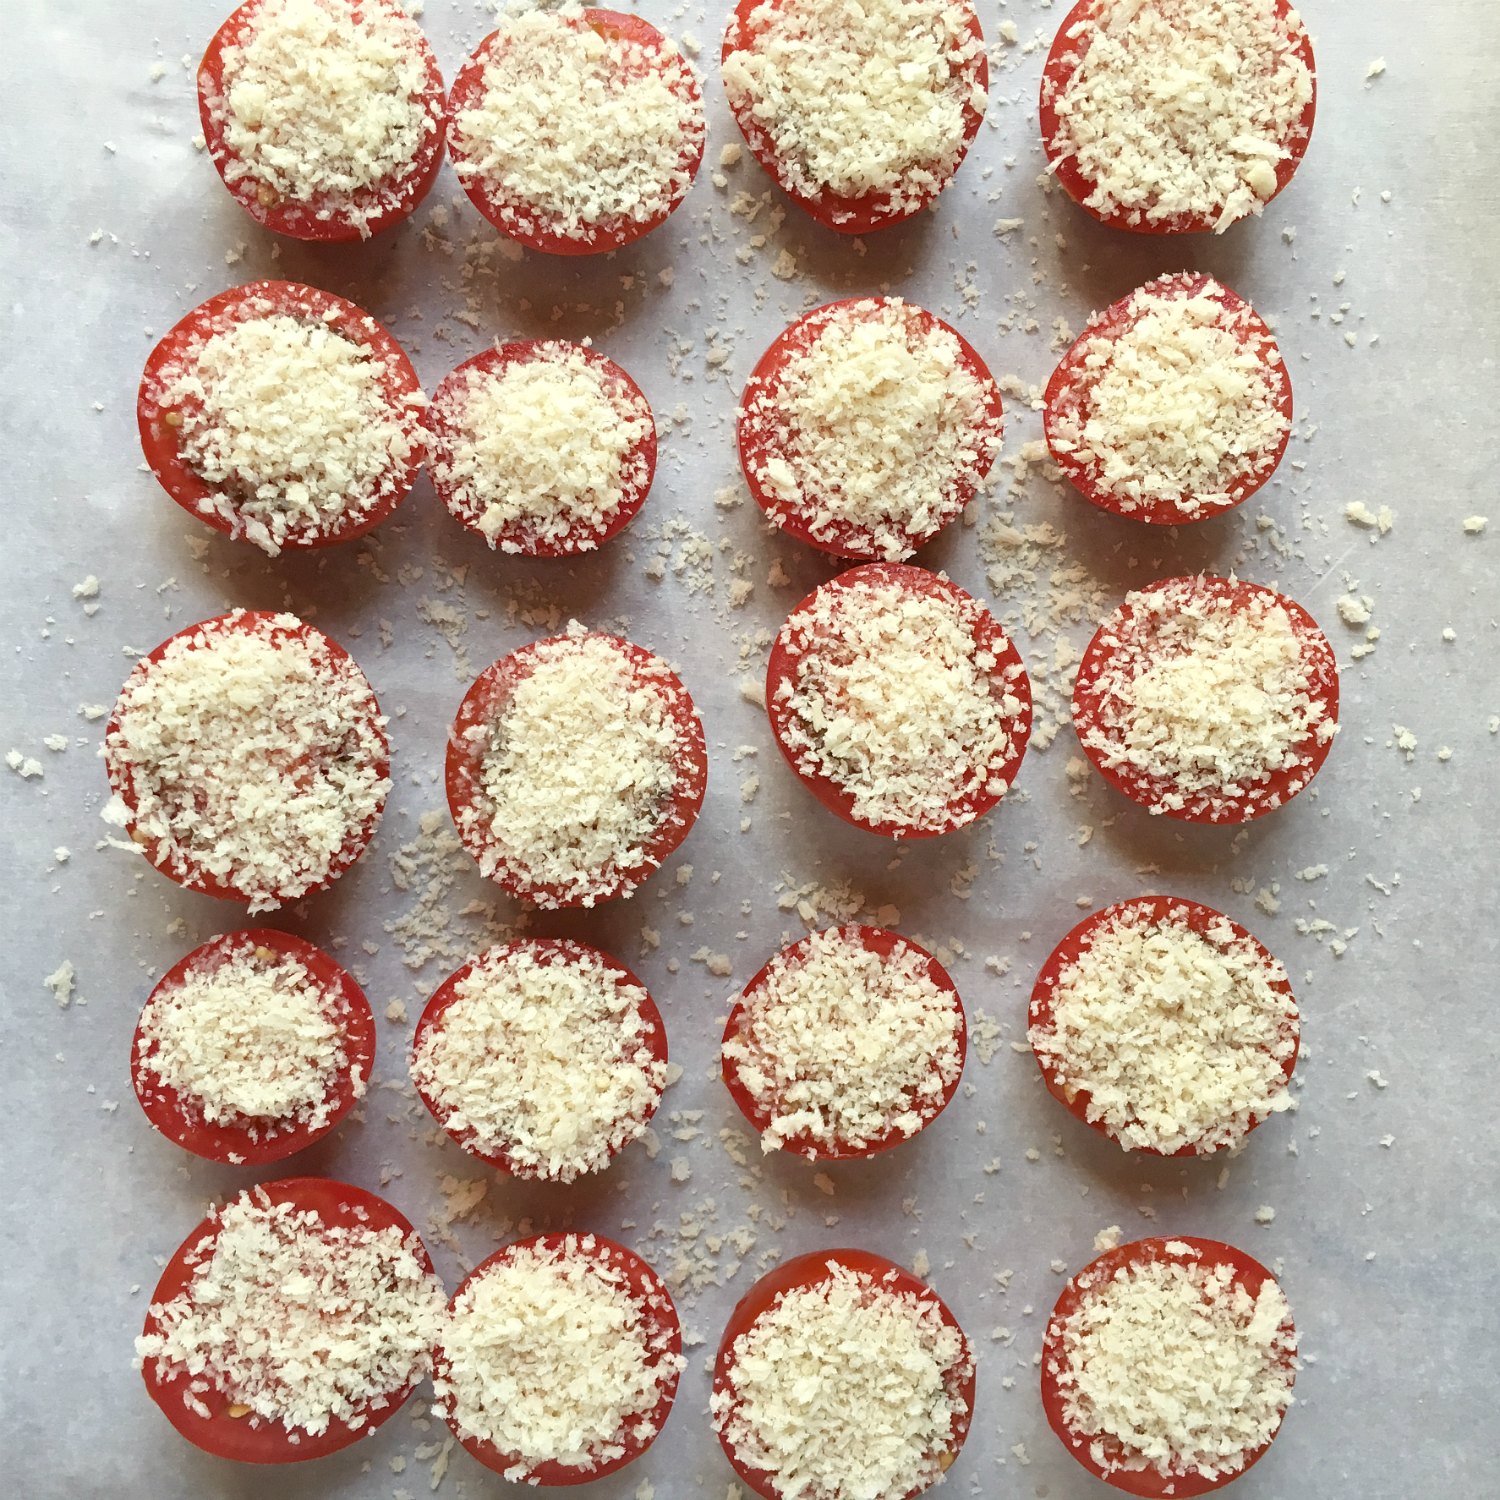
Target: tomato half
161	425
1172	911
1149	1482
173	861
1069	396
637	468
552	952
664	1336
800	636
364	213
810	1271
339	1205
541	228
468	743
1069	47
872	940
765	431
862	213
1126	638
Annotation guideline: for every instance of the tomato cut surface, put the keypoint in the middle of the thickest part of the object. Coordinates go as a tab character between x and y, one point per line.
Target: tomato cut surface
250	1142
658	1314
244	1437
260	183
1148	1482
773	439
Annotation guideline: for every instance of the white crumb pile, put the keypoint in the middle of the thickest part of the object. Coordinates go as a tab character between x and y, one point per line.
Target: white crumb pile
839	1045
253	756
845	1388
575	132
322	104
1183	108
289	423
895	703
879	424
1180	405
247	1036
543	1058
858	101
540	451
1174	1366
552	1356
302	1322
1179	1038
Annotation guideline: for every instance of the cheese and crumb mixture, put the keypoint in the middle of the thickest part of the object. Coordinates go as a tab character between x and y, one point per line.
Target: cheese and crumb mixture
878	423
542	450
303	1322
252	755
840	1045
1178	1037
894	702
575	132
247	1036
845	1390
289	423
550	1355
322	102
859	101
1172	1365
1183	108
1180	404
544	1058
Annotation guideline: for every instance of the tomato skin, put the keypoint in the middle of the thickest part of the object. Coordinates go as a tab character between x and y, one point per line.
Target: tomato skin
122	776
484	702
874	940
468	90
757	437
626	396
1062	62
338	1205
1158	910
787	652
864	213
1090	699
808	1271
1147	1483
373	209
649	1292
176	1117
559	952
1069	389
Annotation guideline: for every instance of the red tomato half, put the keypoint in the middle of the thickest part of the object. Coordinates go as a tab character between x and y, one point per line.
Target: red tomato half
765	432
482	706
637	469
340	1206
1125	640
1068	49
177	351
873	940
179	1116
541	228
163	854
554	952
799	637
1149	1482
1069	394
1161	911
868	211
365	212
808	1271
659	1315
